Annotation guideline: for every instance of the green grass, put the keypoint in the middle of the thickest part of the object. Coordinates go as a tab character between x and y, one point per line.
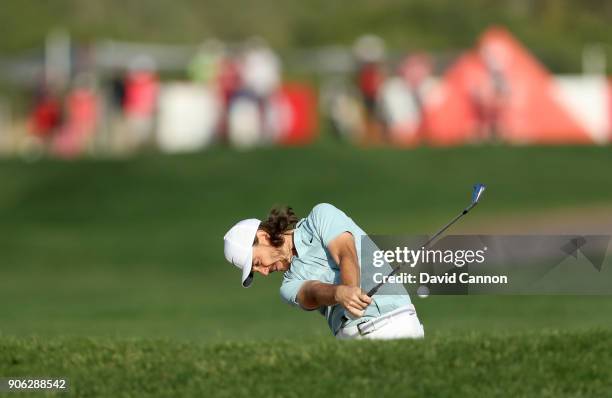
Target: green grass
133	248
112	273
546	364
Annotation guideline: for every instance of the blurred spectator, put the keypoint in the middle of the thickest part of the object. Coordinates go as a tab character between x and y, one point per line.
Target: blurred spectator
342	107
117	93
205	65
140	101
260	74
228	85
489	98
46	115
115	124
415	69
369	52
260	69
81	117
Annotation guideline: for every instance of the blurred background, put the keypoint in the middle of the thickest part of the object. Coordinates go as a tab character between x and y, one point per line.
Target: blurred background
113	78
133	135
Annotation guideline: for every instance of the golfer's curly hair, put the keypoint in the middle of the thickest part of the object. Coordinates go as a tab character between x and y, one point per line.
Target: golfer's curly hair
280	220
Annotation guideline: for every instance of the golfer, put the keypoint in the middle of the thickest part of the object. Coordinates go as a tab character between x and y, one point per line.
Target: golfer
319	256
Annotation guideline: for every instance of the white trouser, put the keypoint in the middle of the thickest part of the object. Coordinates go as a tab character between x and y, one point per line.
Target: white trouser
401	323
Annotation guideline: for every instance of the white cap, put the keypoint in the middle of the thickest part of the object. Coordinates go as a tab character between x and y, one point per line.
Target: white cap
239	247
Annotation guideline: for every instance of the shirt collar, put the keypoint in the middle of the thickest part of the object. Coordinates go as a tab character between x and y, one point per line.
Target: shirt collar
297	238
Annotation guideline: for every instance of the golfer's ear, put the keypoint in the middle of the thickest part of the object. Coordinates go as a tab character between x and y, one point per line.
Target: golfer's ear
261	236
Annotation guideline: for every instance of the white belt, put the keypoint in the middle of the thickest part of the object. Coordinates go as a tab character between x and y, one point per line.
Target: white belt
367	327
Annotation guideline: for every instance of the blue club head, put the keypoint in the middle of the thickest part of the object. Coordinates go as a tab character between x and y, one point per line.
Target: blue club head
477	192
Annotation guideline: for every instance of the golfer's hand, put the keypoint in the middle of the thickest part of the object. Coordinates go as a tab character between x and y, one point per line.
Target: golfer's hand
353	299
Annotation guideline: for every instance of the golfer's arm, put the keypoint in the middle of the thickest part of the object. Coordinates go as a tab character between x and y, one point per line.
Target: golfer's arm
315	294
342	249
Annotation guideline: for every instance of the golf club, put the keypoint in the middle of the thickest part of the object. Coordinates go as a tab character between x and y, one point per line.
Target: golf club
476	195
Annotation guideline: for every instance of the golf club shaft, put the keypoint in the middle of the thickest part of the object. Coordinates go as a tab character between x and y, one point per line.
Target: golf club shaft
426	244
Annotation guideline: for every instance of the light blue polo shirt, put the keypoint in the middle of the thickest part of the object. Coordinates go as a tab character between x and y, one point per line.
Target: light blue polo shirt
311	237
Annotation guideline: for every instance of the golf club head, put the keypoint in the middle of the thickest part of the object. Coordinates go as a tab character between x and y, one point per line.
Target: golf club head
477	192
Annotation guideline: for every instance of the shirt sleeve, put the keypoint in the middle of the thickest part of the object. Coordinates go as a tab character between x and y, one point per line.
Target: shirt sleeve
289	291
329	222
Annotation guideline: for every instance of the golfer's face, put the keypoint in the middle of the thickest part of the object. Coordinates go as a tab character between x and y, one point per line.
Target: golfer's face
267	258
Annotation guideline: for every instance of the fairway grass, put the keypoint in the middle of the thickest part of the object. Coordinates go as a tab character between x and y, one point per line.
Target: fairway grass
543	364
133	248
112	274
